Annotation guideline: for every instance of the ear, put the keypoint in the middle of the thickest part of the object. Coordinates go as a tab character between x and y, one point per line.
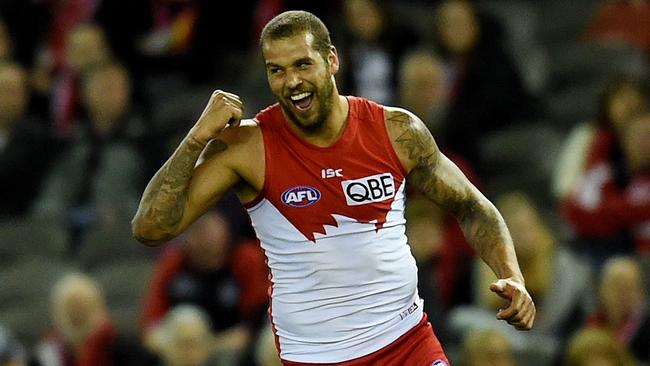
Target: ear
333	60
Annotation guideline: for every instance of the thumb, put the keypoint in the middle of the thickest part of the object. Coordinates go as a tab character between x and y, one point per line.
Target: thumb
499	287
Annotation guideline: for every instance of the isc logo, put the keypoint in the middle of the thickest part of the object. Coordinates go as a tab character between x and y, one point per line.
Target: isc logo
331	173
374	188
300	196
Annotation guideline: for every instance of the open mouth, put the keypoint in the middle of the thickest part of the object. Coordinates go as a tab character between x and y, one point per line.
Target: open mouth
303	100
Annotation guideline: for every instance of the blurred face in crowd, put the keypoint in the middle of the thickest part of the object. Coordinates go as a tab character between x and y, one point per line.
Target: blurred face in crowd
636	144
86	46
13	94
596	347
529	233
624	104
421	84
77	308
208	242
599	360
187	342
301	79
107	93
364	19
621	290
486	347
457	26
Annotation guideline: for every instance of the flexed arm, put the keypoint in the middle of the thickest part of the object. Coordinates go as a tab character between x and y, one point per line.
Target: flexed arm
440	180
178	194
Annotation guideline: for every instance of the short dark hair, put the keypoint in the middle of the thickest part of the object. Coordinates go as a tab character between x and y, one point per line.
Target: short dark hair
294	22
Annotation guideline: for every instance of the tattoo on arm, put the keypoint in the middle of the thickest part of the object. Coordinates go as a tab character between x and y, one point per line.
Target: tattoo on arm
442	182
163	201
416	143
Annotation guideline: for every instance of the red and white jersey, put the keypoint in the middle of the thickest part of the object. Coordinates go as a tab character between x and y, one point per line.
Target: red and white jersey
331	221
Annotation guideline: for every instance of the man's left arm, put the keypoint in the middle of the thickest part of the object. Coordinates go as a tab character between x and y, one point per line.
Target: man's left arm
440	180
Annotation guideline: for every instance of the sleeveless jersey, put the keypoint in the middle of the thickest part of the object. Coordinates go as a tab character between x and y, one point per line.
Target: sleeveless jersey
331	222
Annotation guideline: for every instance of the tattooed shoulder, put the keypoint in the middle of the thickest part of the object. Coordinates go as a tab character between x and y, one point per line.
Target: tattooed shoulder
411	139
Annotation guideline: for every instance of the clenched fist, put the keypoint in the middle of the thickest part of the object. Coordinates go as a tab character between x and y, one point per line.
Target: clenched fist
223	109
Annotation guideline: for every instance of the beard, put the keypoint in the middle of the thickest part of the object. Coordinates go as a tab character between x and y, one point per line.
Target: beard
312	125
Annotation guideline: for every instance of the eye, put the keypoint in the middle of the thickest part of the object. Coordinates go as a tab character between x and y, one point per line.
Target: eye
304	65
274	70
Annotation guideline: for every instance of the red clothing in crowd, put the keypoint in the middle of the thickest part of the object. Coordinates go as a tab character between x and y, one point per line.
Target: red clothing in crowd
600	208
622	21
247	265
633	333
96	351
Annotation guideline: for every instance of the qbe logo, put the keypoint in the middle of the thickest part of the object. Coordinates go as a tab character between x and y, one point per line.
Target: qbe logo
374	188
439	363
300	196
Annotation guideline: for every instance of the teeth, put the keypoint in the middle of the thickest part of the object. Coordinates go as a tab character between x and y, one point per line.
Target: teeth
297	97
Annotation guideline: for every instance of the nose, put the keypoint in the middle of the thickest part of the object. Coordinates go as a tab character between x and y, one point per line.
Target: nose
293	79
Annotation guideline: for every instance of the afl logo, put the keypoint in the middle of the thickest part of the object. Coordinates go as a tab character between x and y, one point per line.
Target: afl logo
300	196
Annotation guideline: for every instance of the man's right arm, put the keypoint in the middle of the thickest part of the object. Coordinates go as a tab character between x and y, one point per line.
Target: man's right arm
181	191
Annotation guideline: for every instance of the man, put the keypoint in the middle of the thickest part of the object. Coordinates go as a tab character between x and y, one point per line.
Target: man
26	149
83	333
323	177
186	338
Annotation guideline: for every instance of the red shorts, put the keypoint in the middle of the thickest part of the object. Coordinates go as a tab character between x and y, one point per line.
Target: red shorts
417	347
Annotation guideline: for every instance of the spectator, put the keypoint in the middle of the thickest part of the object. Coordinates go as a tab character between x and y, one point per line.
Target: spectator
428	230
12	352
438	242
83	333
373	45
608	207
99	177
593	142
623	310
228	282
185	337
266	349
487	347
442	253
25	146
621	22
85	47
591	347
483	87
421	87
557	280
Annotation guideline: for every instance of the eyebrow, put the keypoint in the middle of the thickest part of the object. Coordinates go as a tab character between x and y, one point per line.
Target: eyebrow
301	60
298	61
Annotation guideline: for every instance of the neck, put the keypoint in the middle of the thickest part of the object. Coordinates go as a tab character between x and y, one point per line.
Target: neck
331	129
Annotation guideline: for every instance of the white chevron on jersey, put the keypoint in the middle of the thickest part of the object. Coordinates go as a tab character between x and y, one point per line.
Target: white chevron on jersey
349	293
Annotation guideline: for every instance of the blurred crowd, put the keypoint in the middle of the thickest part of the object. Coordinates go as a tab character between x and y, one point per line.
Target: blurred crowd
543	104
